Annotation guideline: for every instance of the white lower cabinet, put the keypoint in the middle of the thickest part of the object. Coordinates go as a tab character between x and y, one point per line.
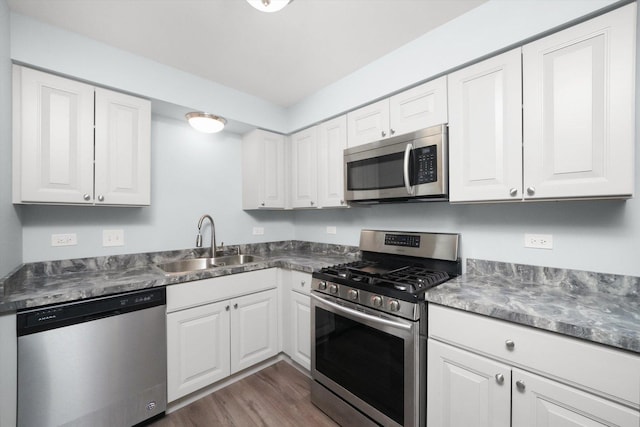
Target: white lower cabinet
300	307
254	329
297	318
465	389
487	372
208	342
197	348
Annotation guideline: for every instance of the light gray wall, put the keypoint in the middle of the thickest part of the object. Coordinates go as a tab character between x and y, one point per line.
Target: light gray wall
10	233
192	174
601	236
481	31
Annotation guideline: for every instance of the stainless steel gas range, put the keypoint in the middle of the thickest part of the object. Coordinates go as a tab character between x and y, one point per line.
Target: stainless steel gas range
369	327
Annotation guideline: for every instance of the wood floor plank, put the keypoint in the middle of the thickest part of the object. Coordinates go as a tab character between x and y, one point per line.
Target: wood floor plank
276	396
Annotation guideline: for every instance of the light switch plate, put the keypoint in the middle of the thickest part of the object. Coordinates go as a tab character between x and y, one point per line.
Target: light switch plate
112	237
258	231
331	229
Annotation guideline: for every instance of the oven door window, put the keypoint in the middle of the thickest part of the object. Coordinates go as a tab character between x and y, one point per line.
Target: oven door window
367	362
376	173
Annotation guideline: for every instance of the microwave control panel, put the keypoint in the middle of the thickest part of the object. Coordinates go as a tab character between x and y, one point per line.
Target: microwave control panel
425	165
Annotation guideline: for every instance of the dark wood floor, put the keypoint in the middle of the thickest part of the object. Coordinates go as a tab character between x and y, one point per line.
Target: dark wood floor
276	396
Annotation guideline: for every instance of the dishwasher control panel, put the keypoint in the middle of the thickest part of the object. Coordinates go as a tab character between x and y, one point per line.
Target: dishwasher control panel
51	317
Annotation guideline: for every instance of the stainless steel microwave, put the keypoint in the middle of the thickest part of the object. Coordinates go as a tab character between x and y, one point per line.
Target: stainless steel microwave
413	166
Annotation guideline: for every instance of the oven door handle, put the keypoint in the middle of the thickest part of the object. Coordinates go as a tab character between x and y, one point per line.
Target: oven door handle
407	179
340	309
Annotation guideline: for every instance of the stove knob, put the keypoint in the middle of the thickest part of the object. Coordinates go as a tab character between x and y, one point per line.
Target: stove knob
376	301
394	305
333	289
352	294
322	286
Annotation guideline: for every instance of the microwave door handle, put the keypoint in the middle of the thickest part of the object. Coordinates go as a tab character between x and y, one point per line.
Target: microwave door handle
407	180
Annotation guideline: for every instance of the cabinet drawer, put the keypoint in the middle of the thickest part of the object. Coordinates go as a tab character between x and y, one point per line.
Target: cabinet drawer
192	294
601	370
301	282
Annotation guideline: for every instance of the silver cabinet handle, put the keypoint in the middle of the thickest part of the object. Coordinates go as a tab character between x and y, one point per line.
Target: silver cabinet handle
235	305
510	344
302	283
342	202
86	197
227	308
407	182
520	385
383	133
392	131
531	191
500	379
513	192
311	203
101	198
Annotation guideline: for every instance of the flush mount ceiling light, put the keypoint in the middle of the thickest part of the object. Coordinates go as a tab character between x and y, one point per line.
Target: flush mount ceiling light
205	122
269	5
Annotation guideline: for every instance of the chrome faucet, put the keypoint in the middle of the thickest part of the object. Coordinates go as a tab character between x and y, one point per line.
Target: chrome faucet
213	234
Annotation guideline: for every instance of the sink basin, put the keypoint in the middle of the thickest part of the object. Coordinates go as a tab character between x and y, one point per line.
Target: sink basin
196	264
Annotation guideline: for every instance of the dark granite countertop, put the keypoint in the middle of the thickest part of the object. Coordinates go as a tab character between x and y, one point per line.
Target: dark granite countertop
602	308
44	283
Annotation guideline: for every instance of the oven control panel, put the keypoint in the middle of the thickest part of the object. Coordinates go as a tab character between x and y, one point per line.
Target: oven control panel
359	297
406	240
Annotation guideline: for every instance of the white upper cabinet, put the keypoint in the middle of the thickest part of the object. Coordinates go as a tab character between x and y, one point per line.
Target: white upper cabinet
579	109
317	171
408	111
264	168
485	130
419	107
122	149
304	168
332	140
576	117
53	143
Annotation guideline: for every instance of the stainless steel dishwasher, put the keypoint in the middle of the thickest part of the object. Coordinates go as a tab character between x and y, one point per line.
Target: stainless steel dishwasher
96	362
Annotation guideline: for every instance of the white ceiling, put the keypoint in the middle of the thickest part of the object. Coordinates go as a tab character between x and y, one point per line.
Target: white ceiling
281	57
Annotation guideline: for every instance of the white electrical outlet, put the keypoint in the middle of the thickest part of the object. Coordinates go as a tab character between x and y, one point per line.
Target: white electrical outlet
538	241
331	230
258	231
69	239
112	237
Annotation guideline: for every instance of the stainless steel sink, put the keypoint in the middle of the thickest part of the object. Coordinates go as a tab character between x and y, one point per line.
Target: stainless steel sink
197	264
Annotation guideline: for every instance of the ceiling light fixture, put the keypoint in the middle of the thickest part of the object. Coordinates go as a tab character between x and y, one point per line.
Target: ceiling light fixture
269	5
205	122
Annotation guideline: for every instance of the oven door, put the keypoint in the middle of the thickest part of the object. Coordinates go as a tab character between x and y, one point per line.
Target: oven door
369	359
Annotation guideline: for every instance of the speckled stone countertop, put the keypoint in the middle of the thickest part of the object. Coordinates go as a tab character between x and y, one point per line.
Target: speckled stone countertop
51	282
602	308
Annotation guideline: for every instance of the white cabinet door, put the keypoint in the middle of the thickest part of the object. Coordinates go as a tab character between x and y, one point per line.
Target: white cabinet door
197	348
264	169
122	149
579	114
464	389
52	139
419	107
300	329
369	123
304	168
254	329
540	402
332	140
485	130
